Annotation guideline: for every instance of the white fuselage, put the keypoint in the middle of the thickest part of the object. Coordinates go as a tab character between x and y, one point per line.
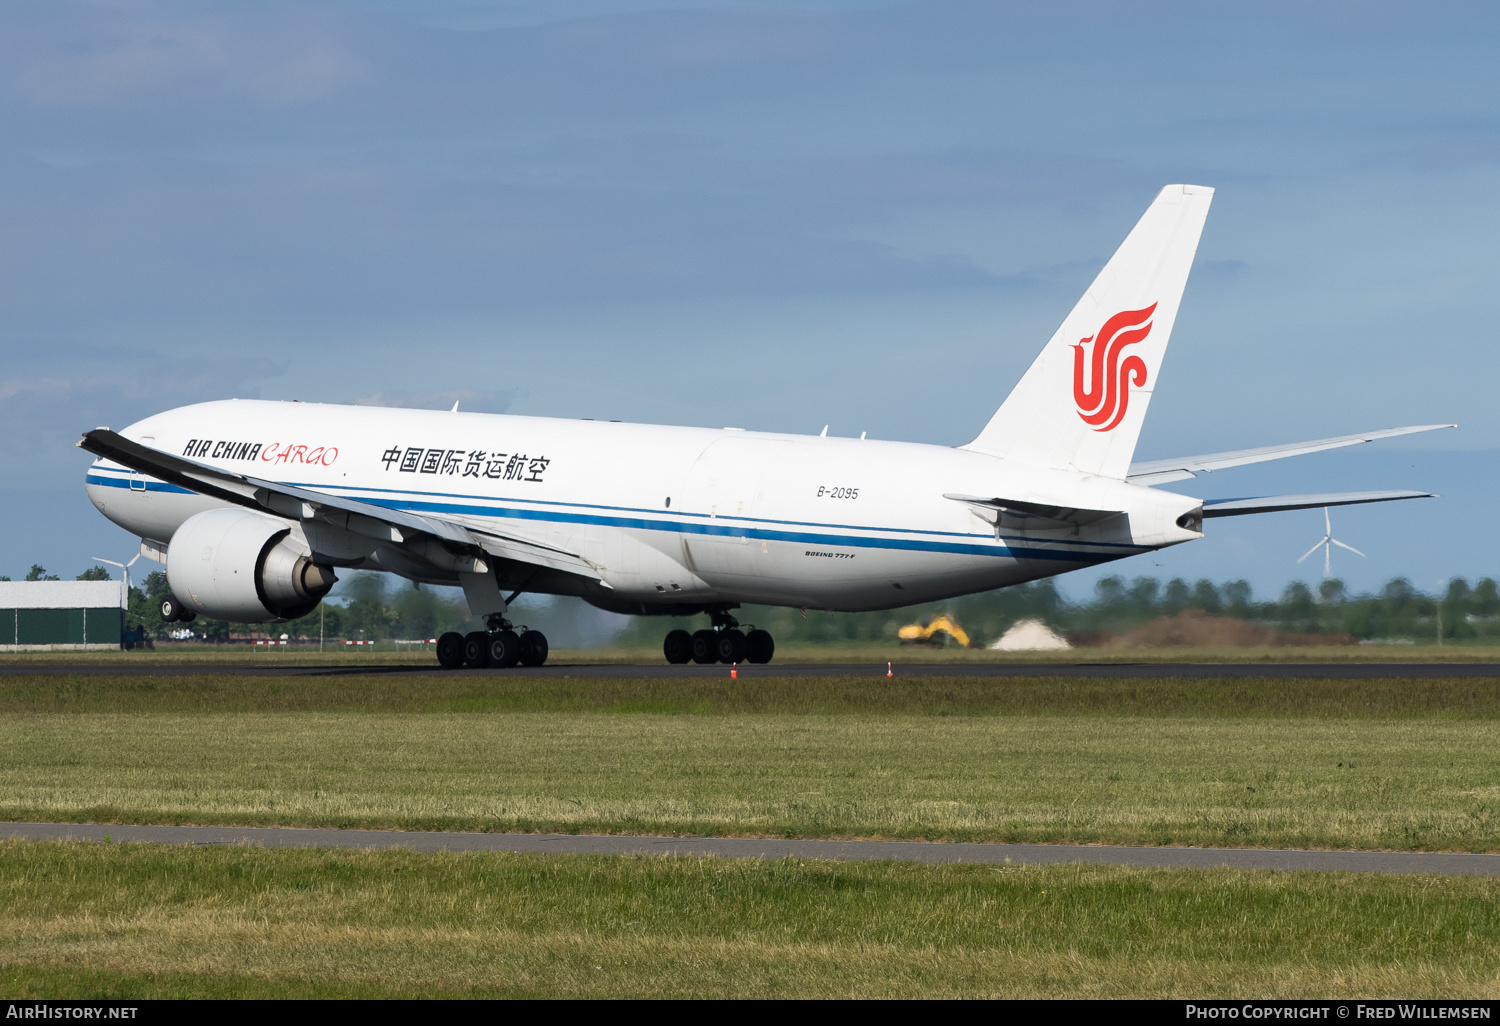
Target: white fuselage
665	516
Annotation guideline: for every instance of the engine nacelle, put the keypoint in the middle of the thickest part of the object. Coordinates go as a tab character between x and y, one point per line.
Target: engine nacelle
234	564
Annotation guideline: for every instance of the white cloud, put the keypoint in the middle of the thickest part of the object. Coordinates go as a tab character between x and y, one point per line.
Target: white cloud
165	54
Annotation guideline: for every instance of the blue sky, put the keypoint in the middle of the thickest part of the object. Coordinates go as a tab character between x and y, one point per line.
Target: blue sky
772	215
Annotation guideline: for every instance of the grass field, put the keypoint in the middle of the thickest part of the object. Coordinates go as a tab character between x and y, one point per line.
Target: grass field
1407	764
1359	764
95	920
168	653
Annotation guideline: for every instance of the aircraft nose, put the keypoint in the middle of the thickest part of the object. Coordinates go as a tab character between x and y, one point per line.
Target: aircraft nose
94	490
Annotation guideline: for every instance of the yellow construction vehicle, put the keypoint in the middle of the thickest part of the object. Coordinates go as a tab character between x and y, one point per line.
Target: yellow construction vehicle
917	634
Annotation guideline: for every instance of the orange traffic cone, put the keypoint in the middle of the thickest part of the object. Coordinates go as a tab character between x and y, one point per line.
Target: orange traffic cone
734	670
888	672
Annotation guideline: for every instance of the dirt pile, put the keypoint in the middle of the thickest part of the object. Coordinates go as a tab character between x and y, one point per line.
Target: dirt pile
1197	628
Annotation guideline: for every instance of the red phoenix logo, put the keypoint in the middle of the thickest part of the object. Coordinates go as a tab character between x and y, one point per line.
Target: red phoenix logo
1102	401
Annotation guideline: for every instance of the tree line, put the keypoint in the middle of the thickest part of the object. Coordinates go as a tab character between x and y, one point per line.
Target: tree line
377	607
1396	611
39	573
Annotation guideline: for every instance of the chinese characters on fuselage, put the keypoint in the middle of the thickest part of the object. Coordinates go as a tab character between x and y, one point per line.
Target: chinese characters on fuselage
497	466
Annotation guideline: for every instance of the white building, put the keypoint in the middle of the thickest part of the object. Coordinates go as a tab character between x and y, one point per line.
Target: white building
41	616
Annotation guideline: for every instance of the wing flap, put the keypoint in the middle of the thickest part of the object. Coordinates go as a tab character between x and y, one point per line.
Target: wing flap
1180	468
524	550
1278	503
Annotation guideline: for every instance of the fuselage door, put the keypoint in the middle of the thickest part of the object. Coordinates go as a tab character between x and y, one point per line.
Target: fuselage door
723	536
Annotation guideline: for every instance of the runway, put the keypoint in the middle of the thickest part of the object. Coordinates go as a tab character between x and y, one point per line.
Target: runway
272	666
775	848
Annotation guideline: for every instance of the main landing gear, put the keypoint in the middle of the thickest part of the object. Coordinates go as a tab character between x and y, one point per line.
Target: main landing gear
724	643
500	646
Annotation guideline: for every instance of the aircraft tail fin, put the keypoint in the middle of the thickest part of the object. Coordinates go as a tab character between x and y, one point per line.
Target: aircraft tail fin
1081	404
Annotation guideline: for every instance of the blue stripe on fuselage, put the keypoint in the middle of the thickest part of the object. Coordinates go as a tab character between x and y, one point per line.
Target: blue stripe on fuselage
690	516
427	505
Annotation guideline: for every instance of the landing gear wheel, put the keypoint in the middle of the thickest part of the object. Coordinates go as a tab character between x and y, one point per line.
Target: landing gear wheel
731	646
503	648
534	648
759	647
477	650
678	648
705	646
450	650
172	609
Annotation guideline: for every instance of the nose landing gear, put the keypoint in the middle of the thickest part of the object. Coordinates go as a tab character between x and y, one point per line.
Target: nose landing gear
724	643
500	647
173	611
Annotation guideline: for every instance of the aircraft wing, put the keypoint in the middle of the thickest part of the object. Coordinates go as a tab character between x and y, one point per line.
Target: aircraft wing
1155	472
412	531
1277	503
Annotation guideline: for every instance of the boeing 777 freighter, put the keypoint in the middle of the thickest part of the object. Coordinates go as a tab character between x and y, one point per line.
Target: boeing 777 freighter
254	506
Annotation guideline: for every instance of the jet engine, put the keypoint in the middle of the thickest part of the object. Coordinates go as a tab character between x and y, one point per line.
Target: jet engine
234	564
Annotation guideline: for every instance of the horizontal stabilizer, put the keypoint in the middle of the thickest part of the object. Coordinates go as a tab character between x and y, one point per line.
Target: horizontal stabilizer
1180	468
1278	503
1015	513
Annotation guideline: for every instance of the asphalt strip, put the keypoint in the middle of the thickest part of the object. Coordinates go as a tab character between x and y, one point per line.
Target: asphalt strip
1446	863
272	666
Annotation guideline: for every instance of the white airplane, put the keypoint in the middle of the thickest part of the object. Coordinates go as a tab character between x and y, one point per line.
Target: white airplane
253	505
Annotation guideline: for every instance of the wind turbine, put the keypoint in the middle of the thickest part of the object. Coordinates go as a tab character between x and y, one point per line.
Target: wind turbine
1327	544
124	576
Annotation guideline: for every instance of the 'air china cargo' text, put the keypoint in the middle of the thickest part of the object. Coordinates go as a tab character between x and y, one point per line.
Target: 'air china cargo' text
276	452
